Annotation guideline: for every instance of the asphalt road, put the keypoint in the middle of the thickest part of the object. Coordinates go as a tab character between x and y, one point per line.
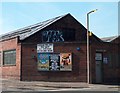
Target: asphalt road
77	91
66	90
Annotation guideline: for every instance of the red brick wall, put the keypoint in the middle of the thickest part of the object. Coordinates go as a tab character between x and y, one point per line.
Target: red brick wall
110	70
11	71
79	58
29	65
78	73
110	74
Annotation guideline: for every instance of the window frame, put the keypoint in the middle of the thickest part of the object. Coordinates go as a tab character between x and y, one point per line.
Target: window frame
0	59
10	63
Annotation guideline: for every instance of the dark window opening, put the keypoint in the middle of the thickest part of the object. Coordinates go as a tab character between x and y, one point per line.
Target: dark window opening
69	34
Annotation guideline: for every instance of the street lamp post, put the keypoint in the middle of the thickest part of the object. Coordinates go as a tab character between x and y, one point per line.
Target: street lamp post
88	59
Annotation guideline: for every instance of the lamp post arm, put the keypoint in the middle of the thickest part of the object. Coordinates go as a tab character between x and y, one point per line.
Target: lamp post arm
92	11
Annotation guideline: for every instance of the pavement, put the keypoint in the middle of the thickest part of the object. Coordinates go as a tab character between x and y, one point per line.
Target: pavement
25	86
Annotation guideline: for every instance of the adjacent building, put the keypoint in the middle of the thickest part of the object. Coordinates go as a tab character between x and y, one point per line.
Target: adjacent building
55	50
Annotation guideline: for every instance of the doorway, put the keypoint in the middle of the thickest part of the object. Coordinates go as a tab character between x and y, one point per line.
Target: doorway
98	64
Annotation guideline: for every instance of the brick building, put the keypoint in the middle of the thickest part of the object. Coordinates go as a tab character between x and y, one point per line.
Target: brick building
55	50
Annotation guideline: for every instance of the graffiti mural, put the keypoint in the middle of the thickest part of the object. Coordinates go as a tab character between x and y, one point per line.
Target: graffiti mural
52	36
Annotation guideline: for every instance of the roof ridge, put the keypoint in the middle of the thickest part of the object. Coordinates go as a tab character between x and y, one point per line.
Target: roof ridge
110	38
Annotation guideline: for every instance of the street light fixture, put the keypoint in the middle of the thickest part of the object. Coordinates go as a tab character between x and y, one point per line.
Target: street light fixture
88	59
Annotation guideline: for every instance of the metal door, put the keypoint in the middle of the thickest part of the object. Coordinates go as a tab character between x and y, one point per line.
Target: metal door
98	62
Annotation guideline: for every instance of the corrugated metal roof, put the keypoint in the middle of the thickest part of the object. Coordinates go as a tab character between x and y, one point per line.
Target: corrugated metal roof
109	39
28	31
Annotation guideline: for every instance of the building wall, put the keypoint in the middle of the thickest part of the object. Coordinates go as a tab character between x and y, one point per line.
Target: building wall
13	71
26	56
110	69
78	73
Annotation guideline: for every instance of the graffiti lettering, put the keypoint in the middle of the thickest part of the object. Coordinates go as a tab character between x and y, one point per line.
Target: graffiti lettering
52	36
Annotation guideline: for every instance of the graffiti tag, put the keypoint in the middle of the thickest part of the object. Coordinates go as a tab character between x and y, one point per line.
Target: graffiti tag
52	36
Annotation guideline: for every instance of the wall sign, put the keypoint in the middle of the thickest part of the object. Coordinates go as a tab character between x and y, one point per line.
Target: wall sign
44	48
105	60
98	56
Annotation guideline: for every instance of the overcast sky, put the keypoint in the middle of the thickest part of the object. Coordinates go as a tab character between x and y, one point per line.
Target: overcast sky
103	22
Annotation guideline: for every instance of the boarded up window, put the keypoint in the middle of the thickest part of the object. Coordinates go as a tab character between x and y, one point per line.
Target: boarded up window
9	57
117	62
113	60
110	58
69	34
